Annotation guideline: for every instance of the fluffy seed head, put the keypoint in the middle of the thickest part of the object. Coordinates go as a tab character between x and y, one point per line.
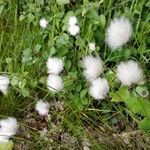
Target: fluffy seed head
129	72
99	88
4	83
92	67
74	30
42	108
8	127
54	65
118	33
91	46
54	83
43	23
72	21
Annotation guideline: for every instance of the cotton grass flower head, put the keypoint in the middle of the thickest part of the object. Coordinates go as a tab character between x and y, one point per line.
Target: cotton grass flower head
8	128
42	107
99	88
54	65
43	23
92	67
4	83
91	46
72	21
129	73
74	30
118	33
54	83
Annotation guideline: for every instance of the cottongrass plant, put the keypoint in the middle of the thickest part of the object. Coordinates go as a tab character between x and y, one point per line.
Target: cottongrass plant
43	23
129	73
93	67
42	107
8	128
99	88
4	83
73	28
54	65
118	33
54	81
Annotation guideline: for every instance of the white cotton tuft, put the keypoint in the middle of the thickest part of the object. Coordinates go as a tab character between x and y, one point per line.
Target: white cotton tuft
4	139
42	107
8	127
4	83
118	33
54	65
91	46
72	21
43	23
54	83
99	88
92	67
74	30
129	72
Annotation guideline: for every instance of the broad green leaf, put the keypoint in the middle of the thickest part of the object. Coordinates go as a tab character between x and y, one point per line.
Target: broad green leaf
137	105
25	92
62	2
30	17
1	9
22	83
68	64
83	94
51	51
22	17
14	81
43	80
62	40
37	47
8	60
145	125
27	55
121	95
6	146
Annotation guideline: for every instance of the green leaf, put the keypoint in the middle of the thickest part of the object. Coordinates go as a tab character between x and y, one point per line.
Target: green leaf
83	94
8	60
68	64
30	17
22	17
43	80
62	40
22	83
27	55
6	146
37	47
136	105
1	8
103	20
51	51
25	92
14	81
121	95
145	125
62	2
